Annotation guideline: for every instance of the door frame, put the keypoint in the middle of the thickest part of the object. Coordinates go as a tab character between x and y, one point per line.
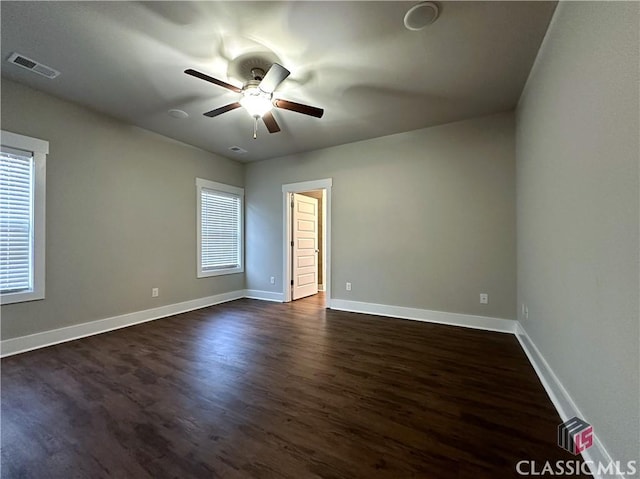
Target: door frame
301	187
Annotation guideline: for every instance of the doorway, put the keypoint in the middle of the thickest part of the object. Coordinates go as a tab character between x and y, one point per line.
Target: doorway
307	239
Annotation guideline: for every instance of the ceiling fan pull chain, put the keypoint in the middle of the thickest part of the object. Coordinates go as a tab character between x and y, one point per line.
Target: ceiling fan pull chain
255	127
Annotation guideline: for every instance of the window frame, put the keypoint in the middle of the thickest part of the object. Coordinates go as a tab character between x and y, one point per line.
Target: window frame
225	190
39	150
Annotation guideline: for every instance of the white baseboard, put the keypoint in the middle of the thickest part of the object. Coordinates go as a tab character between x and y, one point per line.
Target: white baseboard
263	295
9	347
440	317
321	287
563	402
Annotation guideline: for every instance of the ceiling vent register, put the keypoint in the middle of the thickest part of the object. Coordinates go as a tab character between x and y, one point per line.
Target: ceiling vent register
32	65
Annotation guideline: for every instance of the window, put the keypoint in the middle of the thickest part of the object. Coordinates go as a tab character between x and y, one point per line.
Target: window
220	228
22	217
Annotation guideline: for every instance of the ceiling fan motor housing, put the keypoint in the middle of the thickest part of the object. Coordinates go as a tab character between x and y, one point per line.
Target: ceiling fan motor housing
250	65
257	73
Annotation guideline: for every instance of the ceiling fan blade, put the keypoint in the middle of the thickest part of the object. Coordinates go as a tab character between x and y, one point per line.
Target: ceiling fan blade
222	109
276	75
270	122
299	107
215	81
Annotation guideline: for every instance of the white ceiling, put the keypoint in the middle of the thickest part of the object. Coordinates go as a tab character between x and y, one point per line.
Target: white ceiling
356	60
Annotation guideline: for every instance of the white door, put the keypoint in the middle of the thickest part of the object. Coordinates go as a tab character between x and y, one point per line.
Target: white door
305	246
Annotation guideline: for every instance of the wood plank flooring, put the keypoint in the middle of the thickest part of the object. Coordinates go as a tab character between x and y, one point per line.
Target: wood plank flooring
251	389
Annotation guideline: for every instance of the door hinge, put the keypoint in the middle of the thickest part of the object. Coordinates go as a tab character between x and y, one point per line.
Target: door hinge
292	204
291	282
292	244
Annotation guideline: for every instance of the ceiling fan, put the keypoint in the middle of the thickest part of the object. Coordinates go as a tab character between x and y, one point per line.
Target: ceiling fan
257	97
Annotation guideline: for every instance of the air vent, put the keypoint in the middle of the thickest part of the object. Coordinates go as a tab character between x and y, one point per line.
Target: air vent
32	65
237	149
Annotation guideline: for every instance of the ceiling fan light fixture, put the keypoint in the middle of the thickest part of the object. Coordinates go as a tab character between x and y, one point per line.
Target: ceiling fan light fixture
256	102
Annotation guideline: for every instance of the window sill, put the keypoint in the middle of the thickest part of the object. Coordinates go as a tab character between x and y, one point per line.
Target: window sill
13	298
220	272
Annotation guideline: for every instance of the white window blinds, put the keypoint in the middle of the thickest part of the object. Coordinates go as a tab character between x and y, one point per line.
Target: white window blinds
16	220
220	230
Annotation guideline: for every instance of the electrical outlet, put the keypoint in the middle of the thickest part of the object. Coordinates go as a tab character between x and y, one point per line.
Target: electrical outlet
155	292
348	286
484	298
272	280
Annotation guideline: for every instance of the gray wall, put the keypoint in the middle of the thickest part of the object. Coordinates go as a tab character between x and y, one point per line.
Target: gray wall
423	219
577	184
121	213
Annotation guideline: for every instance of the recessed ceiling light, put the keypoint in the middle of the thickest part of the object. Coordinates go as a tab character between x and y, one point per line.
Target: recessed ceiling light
179	114
421	15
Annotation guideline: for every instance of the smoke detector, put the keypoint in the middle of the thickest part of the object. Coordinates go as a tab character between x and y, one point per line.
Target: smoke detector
32	65
421	15
237	150
178	114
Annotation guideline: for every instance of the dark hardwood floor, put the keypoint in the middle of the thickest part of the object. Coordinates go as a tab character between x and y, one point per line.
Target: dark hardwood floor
251	389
